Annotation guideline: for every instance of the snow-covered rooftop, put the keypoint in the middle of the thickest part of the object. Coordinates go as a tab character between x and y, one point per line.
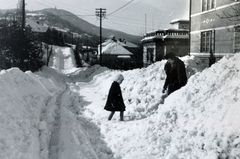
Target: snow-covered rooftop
36	27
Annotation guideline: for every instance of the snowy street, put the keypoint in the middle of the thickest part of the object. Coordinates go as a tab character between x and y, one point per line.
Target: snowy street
57	113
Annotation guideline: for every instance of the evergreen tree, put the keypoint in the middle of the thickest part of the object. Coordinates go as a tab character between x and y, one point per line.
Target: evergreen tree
20	49
48	38
32	51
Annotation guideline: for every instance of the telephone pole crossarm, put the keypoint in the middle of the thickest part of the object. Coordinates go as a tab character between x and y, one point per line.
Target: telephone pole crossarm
100	12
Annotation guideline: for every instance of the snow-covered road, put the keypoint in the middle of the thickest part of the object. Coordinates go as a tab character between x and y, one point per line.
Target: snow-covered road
57	113
72	135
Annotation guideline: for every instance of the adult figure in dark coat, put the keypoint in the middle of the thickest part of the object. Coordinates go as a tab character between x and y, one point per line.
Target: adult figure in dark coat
176	74
115	99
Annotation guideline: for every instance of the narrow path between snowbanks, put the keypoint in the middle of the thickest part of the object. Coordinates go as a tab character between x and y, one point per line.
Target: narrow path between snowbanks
65	133
49	126
79	137
54	139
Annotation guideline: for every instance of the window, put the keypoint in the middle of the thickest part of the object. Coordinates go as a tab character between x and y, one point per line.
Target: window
150	55
207	41
208	4
237	39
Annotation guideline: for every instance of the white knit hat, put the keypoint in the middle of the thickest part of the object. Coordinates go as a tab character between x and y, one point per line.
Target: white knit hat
119	78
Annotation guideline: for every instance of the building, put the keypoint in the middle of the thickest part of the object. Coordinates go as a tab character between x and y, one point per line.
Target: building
158	43
36	27
214	31
115	54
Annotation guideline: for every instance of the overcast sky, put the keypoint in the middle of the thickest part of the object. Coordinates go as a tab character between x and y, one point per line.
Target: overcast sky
131	16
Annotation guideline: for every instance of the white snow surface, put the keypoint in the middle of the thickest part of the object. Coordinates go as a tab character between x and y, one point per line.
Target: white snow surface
57	113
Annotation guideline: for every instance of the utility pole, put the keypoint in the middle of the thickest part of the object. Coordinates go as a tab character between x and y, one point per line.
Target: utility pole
190	27
23	15
101	13
145	23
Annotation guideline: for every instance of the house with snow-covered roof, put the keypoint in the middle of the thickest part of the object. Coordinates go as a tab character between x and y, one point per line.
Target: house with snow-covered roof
115	54
35	26
37	29
157	44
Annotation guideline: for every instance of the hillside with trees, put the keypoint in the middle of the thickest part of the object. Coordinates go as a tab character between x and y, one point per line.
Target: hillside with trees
87	27
26	48
19	47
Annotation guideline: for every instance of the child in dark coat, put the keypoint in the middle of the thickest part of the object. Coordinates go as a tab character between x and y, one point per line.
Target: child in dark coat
115	99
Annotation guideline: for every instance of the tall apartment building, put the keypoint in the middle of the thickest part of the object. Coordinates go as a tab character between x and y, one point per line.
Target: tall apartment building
214	28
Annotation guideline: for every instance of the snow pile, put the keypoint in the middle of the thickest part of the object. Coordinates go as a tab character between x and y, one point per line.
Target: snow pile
41	118
141	88
199	121
207	112
21	112
58	112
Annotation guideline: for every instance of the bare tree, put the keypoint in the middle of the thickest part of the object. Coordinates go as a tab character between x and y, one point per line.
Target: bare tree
232	14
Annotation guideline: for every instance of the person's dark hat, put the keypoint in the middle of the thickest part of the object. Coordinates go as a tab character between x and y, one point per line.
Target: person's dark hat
170	56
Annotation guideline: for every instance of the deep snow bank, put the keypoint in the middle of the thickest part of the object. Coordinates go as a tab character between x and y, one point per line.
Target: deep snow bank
41	118
22	99
206	112
141	87
201	120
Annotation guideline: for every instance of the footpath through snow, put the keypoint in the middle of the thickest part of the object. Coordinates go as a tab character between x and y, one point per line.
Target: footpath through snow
58	113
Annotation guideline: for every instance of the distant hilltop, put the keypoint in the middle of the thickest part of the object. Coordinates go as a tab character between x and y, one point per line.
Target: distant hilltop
69	20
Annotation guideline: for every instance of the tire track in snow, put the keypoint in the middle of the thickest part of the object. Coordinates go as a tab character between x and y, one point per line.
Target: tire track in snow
68	133
54	138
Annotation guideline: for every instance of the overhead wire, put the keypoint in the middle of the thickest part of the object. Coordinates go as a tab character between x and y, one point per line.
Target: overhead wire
94	26
126	8
134	20
2	2
126	29
6	3
52	5
81	15
130	27
130	22
78	15
120	8
86	10
69	6
43	4
159	23
133	25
